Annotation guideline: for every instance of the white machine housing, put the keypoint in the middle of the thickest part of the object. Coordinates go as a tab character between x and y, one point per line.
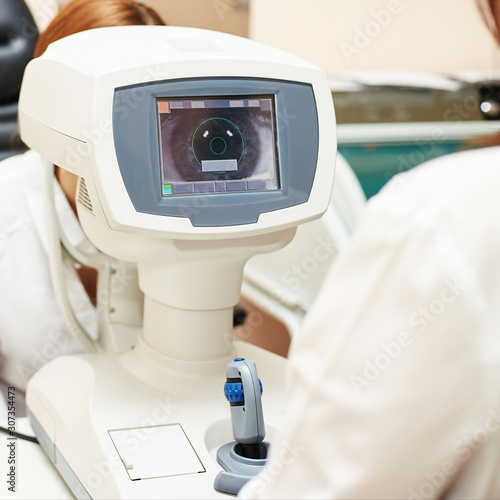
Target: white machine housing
82	73
93	104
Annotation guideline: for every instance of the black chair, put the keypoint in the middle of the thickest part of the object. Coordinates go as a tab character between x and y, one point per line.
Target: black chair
18	37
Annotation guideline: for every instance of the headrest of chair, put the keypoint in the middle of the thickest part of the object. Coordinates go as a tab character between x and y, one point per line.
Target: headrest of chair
18	37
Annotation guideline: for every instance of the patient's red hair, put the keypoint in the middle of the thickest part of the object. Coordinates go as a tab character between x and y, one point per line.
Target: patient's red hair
81	15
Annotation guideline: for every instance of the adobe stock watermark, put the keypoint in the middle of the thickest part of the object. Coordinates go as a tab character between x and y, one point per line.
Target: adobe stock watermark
454	118
423	151
463	449
59	341
323	251
76	153
364	35
44	12
121	277
224	7
28	31
289	452
419	320
57	344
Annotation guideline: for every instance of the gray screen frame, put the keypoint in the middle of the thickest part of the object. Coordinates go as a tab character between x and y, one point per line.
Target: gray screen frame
136	141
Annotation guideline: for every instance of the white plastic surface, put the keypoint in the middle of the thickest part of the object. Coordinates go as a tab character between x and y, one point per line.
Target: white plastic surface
191	276
81	72
100	393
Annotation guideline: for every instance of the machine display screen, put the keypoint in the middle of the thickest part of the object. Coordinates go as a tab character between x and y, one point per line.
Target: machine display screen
217	144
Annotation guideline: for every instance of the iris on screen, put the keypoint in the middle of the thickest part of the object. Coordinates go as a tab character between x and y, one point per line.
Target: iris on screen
217	144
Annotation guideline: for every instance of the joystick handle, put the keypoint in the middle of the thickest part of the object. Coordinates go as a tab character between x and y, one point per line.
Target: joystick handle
243	390
247	457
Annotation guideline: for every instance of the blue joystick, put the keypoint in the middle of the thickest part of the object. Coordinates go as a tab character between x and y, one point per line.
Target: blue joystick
246	457
243	390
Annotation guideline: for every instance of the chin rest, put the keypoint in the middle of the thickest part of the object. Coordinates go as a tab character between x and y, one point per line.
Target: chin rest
18	37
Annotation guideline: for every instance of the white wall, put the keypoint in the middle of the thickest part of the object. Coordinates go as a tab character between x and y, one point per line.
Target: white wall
343	35
230	16
43	11
351	35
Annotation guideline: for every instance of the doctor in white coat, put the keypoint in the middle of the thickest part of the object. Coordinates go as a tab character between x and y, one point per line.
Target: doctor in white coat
394	381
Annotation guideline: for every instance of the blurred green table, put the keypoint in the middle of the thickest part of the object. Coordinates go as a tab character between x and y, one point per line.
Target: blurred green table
386	130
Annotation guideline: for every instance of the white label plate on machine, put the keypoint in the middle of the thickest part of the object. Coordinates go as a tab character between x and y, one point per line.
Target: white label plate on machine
157	451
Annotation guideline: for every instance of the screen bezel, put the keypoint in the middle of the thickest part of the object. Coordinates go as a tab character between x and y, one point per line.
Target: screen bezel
136	147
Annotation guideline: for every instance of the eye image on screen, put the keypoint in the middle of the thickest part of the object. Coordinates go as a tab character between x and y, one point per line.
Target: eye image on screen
217	145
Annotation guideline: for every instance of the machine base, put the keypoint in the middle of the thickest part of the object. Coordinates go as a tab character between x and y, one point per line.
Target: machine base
112	435
238	470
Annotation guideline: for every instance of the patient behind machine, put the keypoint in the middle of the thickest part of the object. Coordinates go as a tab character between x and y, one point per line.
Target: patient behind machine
32	328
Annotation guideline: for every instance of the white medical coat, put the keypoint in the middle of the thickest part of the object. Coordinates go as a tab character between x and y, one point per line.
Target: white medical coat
32	328
394	381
